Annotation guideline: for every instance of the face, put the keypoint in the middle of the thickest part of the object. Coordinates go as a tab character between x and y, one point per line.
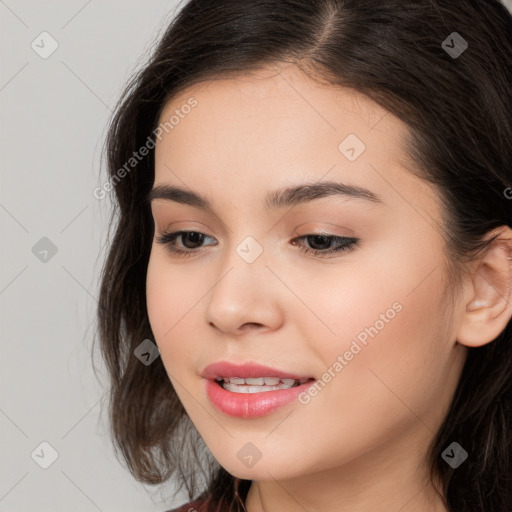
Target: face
339	287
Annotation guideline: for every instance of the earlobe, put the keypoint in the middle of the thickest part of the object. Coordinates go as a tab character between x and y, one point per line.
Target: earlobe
489	309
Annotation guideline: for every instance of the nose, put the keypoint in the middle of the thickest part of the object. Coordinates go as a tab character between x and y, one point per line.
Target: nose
245	297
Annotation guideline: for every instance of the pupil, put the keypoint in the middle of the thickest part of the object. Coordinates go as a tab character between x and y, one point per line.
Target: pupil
321	238
196	238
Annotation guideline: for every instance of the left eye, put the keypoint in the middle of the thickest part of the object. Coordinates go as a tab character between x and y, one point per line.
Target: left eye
192	240
343	244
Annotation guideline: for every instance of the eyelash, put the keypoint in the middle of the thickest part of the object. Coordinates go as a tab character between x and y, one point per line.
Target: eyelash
347	243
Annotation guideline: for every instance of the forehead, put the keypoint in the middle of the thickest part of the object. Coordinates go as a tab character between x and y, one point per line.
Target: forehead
281	92
272	114
277	127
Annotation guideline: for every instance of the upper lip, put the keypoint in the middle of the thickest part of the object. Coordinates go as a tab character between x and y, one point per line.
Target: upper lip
246	371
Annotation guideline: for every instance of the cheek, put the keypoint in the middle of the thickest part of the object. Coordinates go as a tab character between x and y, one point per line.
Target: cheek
386	324
171	296
161	302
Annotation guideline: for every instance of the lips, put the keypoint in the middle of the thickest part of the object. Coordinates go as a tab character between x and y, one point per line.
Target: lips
247	399
251	405
224	369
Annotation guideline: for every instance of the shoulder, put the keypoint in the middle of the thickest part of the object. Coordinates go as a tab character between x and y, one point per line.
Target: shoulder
193	506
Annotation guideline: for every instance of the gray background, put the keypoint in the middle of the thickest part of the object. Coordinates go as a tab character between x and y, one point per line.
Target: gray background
53	119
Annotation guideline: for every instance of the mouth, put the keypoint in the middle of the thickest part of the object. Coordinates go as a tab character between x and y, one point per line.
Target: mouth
248	400
251	377
258	384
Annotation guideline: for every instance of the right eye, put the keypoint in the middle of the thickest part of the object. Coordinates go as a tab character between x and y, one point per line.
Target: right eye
188	238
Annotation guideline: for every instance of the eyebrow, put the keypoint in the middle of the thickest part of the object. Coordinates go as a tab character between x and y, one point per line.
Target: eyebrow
282	198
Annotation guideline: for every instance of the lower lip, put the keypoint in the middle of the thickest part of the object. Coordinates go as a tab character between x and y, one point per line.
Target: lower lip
251	405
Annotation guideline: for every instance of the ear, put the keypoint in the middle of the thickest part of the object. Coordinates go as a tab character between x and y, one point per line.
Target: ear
488	308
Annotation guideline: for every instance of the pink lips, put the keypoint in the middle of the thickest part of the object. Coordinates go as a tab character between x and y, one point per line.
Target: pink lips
249	405
245	371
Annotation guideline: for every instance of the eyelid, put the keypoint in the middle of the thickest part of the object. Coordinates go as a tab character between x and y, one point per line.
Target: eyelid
333	230
164	215
167	226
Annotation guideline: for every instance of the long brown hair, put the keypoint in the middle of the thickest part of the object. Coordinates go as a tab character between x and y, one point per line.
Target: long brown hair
459	112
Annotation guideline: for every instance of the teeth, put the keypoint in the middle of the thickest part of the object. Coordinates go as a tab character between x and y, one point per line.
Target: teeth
258	384
253	389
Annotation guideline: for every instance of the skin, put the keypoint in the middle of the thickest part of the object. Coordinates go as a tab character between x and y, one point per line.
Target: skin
360	444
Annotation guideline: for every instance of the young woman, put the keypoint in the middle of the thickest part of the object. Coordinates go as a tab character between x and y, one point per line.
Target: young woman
306	303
